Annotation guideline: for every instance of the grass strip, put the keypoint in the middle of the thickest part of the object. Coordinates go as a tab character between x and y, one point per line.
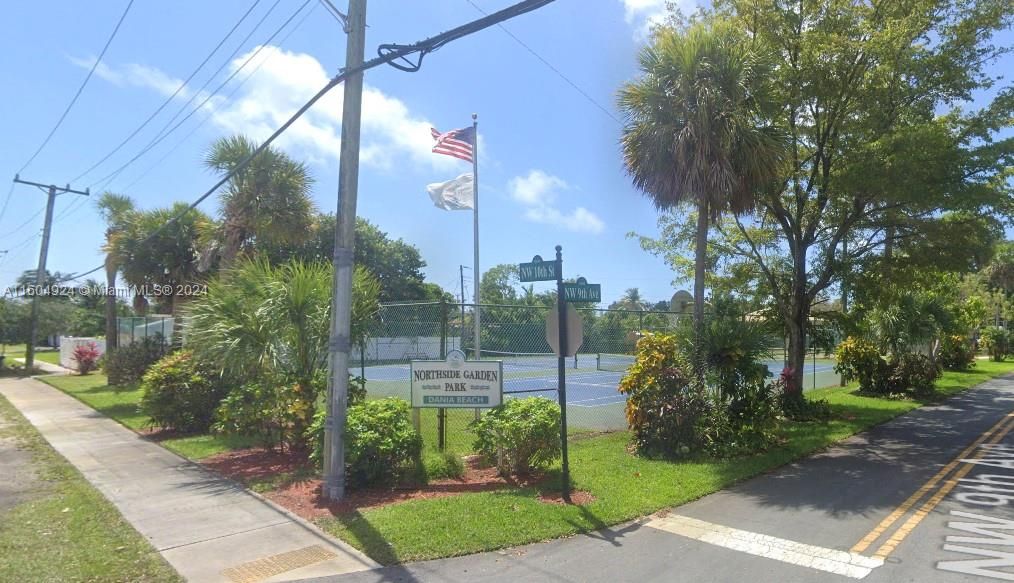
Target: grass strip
67	531
625	486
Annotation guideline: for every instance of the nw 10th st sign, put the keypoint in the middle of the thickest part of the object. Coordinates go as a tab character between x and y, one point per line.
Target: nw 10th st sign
538	270
456	382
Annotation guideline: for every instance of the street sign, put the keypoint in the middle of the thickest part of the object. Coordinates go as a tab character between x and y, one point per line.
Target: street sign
456	382
582	291
538	270
575	331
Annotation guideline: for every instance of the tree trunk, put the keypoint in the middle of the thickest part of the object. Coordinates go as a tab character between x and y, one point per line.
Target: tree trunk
889	235
700	265
795	323
111	328
700	262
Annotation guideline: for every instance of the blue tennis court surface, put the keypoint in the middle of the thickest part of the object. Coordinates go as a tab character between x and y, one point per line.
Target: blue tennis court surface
586	386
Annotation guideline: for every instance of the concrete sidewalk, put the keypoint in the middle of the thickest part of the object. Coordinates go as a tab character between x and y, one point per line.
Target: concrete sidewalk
207	527
46	367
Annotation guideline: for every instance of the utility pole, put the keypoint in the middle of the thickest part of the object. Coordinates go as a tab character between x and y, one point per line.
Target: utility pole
341	303
40	274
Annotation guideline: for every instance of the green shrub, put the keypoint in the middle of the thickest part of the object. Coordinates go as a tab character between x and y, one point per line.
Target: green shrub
380	441
126	365
253	410
665	403
730	346
996	342
913	372
795	406
956	353
859	359
519	435
181	393
753	418
441	465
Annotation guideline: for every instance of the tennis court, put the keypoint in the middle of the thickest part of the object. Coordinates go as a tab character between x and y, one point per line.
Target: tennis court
592	379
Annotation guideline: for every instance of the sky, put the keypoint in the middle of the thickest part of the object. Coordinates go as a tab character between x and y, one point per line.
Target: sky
550	168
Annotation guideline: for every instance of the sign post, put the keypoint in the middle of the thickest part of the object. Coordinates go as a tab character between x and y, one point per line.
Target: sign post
561	306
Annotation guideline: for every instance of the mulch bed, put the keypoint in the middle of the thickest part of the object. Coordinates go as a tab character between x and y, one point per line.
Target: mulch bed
304	496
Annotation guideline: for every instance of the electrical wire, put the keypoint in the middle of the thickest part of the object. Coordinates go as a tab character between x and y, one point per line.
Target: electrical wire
63	116
551	67
27	222
169	99
386	54
80	89
164	133
77	204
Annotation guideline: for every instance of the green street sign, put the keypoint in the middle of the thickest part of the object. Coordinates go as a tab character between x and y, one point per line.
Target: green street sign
538	270
582	291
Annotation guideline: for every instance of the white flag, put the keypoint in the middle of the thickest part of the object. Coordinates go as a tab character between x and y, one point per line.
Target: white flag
453	195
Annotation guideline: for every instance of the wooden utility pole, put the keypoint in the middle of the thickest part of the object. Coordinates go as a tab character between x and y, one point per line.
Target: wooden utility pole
40	274
341	303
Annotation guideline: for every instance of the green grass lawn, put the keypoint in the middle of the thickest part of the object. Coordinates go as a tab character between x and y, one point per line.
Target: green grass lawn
624	486
50	356
67	531
121	404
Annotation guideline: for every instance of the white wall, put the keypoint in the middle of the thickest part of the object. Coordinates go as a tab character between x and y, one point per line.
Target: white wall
69	343
407	348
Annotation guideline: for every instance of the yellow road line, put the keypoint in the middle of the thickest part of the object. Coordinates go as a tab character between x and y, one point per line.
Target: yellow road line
914	520
900	511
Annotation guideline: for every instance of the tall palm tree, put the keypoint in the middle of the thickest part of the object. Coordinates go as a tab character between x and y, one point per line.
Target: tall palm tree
266	201
694	133
116	210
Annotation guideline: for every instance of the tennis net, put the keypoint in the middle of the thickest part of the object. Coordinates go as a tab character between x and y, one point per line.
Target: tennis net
613	362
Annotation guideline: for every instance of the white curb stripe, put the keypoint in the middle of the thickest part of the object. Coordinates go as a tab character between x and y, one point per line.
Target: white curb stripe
834	561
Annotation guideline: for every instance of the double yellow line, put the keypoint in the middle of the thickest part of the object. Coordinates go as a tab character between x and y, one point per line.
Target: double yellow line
993	435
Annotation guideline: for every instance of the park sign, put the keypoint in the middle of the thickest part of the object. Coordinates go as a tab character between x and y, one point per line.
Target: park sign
538	270
456	382
582	291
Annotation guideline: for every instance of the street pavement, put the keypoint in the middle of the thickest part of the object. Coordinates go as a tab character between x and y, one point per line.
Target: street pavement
923	498
208	528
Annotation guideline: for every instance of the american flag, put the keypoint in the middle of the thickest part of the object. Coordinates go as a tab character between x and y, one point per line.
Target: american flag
457	143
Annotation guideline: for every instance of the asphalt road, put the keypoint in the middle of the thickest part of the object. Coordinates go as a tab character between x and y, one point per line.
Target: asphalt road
928	497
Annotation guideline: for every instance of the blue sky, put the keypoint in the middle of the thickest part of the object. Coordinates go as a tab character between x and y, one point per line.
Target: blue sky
550	169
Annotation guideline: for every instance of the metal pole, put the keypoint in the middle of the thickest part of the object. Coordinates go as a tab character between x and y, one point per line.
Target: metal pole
40	280
441	412
341	302
476	274
561	308
461	271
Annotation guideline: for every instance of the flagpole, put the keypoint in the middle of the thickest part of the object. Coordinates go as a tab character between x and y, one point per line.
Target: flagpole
475	230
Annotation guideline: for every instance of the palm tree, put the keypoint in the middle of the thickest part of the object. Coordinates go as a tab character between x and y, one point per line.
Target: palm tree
116	210
694	133
267	201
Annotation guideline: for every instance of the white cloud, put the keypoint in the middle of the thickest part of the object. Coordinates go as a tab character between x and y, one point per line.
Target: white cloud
134	74
538	192
643	14
279	83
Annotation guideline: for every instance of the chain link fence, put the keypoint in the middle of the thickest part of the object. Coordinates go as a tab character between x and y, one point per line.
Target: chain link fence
516	335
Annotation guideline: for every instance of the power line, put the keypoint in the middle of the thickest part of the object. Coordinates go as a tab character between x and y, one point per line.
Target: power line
551	67
227	97
163	133
27	222
79	89
169	99
338	14
78	204
395	55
